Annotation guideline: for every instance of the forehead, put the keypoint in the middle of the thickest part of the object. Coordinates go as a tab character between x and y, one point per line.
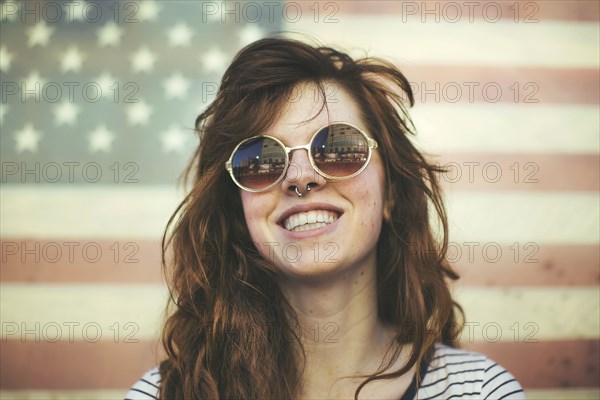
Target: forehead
304	112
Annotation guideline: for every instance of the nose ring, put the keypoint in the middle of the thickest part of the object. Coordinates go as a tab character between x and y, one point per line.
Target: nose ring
308	187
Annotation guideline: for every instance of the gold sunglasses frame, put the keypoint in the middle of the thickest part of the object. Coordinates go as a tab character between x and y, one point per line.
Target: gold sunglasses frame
372	144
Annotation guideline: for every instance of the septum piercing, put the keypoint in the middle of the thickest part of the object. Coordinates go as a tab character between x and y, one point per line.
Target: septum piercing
298	192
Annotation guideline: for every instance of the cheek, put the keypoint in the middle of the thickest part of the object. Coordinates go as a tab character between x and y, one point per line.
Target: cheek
369	196
254	214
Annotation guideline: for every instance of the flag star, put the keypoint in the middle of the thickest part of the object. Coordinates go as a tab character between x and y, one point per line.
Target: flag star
9	10
249	34
106	82
66	113
109	35
176	86
148	10
71	60
27	139
101	140
139	113
173	140
5	59
143	60
180	35
32	81
214	60
3	110
39	34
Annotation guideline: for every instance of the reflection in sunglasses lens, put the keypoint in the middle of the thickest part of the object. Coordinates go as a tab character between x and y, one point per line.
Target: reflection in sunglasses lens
258	163
340	150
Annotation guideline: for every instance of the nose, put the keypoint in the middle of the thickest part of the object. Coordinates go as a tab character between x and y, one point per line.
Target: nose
301	177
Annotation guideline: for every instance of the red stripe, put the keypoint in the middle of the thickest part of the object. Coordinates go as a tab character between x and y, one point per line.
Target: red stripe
76	261
526	264
547	364
77	365
108	365
479	264
530	172
521	11
519	85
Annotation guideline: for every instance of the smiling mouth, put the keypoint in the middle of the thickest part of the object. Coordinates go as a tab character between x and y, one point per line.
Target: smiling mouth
308	220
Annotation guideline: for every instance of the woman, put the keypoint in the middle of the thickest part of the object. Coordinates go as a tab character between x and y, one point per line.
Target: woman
304	264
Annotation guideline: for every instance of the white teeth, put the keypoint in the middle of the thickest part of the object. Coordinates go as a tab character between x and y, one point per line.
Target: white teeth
310	220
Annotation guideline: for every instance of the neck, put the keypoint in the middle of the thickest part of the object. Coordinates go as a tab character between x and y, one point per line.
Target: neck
339	327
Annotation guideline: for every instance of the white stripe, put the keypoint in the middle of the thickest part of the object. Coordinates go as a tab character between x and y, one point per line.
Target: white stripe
508	128
556	313
71	212
504	43
67	212
82	312
529	314
509	217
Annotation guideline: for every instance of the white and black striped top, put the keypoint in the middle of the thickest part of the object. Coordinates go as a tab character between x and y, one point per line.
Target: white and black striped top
451	374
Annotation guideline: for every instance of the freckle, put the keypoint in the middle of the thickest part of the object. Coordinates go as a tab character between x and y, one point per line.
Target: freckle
356	282
362	272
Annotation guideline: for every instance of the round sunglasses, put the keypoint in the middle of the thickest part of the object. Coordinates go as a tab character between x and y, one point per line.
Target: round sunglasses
336	151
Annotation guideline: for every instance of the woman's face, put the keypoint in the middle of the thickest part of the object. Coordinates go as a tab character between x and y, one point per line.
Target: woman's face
356	204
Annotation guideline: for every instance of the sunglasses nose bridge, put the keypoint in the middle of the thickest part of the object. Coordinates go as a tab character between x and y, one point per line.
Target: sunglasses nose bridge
299	166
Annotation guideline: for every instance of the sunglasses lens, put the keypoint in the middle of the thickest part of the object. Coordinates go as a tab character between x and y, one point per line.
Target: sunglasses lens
340	150
258	163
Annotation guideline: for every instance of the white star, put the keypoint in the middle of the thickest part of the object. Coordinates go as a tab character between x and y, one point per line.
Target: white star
39	34
3	110
101	139
71	60
107	83
27	139
148	10
180	35
173	140
143	60
9	10
214	60
249	34
110	34
5	59
176	86
34	82
66	113
139	113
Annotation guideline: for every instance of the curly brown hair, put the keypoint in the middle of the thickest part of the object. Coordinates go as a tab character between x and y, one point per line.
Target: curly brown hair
230	333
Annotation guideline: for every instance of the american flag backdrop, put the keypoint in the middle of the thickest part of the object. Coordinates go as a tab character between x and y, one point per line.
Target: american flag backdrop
98	104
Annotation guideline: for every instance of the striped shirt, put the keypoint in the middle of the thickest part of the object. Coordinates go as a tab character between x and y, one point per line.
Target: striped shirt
451	374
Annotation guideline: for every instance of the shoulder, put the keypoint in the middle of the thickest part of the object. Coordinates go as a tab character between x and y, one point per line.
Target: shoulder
146	388
456	373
